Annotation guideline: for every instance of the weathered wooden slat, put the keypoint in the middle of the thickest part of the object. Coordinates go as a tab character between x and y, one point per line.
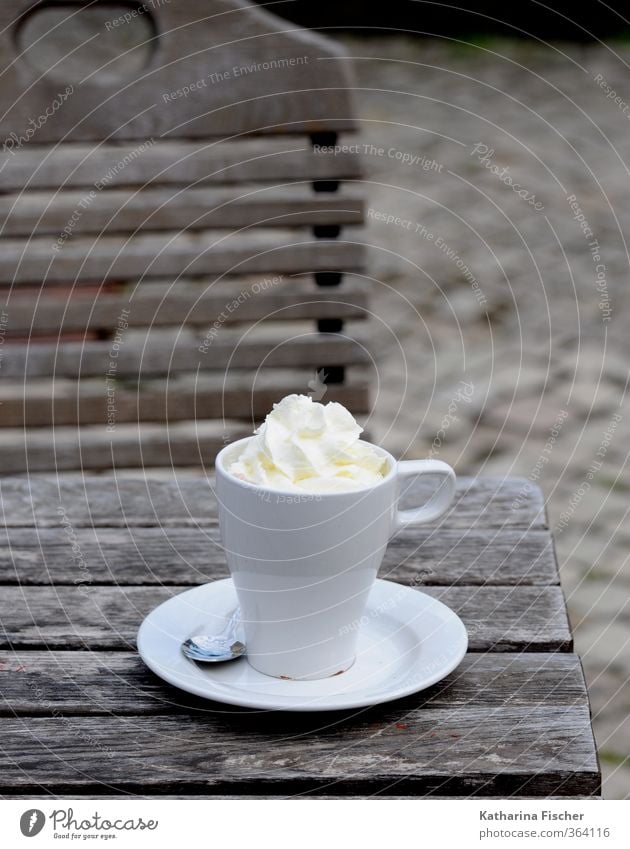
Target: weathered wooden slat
485	502
246	395
468	556
241	160
89	684
190	556
534	750
95	447
86	258
154	353
147	209
510	618
103	501
183	302
106	617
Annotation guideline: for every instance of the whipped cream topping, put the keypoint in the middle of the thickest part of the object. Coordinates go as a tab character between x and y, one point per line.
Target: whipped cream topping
309	447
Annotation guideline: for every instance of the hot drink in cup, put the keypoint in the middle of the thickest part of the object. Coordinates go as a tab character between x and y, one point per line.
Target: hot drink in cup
306	510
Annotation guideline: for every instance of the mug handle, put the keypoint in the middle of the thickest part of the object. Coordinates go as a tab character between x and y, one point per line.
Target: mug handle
439	502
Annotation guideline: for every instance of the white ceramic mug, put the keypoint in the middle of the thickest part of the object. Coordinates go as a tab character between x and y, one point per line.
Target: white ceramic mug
303	564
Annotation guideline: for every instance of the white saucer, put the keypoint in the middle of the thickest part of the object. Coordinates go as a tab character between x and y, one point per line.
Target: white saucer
407	642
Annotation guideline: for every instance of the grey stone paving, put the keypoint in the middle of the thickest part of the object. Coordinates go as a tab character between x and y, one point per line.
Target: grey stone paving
479	285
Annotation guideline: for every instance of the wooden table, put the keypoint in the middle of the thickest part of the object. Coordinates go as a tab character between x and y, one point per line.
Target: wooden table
82	560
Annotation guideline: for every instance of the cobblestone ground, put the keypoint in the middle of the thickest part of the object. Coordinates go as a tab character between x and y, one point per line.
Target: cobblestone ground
520	291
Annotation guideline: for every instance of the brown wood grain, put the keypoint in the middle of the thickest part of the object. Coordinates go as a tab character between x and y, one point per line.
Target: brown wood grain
173	253
36	213
155	353
533	750
265	159
513	719
42	683
247	395
107	617
181	443
190	556
105	501
184	303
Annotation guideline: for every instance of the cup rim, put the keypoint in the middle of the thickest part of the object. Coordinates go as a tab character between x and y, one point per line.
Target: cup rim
297	493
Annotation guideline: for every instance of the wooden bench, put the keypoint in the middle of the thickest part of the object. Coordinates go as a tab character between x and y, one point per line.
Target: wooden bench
82	561
172	258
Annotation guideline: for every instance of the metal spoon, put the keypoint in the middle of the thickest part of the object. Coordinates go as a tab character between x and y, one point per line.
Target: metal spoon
228	644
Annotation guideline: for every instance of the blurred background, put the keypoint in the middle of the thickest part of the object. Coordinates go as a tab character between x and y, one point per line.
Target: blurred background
523	296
